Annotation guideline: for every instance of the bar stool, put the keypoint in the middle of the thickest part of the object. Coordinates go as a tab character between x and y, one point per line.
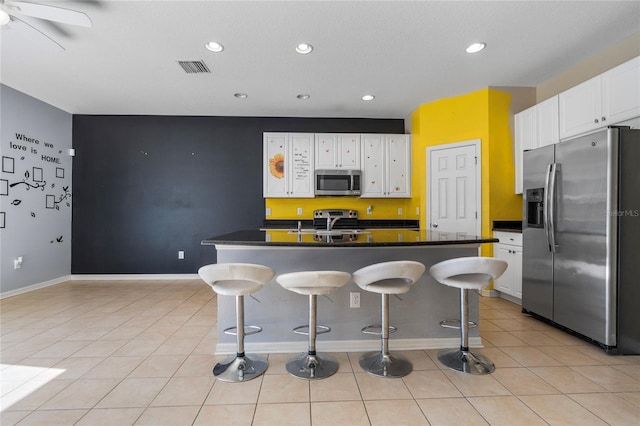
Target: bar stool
313	284
386	278
238	279
467	273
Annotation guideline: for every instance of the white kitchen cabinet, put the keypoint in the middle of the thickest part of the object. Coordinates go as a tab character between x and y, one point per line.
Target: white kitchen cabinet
386	166
509	249
621	92
526	138
337	151
535	127
607	99
548	128
288	165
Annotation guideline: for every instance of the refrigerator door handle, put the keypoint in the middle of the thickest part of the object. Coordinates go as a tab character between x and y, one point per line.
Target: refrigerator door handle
553	173
545	210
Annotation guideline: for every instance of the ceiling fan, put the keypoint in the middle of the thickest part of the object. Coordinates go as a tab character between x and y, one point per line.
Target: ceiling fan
23	32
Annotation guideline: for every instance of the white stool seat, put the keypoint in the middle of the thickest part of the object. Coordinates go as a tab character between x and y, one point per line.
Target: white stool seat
467	273
317	283
389	277
472	273
312	365
239	280
395	277
236	279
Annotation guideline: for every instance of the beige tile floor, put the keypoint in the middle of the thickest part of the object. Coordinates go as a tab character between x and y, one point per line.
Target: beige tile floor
141	353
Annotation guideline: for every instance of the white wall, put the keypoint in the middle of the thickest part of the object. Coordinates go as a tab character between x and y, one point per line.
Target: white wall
626	49
35	192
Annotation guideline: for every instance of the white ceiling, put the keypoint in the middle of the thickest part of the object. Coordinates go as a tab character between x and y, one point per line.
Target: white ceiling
406	53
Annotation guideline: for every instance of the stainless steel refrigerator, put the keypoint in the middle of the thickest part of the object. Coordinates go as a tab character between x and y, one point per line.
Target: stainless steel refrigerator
581	237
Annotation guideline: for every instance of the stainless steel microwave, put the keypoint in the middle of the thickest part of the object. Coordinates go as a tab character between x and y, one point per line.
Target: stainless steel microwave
338	182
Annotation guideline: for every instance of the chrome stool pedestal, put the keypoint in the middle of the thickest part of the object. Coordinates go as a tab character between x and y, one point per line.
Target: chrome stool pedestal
386	278
462	359
238	279
241	367
312	365
383	363
466	273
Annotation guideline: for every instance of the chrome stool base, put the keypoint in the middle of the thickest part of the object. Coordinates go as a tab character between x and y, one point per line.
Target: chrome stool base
465	361
240	368
316	366
378	364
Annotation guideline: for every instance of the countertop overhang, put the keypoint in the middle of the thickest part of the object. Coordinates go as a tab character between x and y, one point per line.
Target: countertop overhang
363	238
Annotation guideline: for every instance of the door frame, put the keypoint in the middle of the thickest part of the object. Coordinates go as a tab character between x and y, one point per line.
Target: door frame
477	143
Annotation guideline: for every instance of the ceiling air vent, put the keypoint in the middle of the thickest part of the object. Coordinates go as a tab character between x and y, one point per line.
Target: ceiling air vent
194	67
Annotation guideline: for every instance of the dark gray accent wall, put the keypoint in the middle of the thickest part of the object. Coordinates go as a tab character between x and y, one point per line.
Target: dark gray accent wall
148	186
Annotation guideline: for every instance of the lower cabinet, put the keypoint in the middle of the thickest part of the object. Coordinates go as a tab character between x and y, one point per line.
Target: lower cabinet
509	249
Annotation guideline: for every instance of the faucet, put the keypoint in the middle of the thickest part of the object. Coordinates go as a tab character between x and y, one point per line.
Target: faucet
331	222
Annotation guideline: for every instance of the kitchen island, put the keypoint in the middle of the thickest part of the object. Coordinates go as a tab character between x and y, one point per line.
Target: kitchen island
416	314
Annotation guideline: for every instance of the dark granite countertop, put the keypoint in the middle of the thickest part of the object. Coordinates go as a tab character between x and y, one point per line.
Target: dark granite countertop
361	238
507	225
361	224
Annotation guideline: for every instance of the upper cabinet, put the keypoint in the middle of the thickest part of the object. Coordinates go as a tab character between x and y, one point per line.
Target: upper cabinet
288	165
386	166
535	127
337	151
290	160
607	99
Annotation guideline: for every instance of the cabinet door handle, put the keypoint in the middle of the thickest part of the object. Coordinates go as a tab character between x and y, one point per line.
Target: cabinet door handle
604	118
595	120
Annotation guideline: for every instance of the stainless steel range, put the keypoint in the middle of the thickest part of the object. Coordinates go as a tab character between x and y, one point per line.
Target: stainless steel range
329	219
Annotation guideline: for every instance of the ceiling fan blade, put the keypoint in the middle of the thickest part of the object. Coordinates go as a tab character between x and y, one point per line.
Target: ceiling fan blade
50	13
21	40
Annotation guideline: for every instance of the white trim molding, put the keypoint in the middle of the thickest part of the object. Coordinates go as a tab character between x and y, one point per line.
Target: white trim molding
133	277
34	287
100	277
347	345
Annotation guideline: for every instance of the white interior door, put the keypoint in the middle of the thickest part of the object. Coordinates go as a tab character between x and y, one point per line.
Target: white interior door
453	183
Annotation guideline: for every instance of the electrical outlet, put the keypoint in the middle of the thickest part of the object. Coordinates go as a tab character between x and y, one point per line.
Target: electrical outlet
180	254
267	211
354	299
299	211
400	211
369	210
17	262
417	211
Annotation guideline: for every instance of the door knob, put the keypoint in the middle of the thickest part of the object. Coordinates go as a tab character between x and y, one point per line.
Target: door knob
435	225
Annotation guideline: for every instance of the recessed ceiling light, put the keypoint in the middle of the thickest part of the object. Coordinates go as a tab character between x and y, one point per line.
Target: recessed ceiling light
214	46
304	48
476	47
303	96
241	95
4	18
368	97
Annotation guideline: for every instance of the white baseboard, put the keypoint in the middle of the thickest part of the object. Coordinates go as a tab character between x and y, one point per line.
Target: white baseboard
346	345
132	277
489	293
33	287
511	298
100	277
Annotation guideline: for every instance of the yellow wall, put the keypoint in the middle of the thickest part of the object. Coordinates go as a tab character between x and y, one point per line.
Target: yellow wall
382	208
480	115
